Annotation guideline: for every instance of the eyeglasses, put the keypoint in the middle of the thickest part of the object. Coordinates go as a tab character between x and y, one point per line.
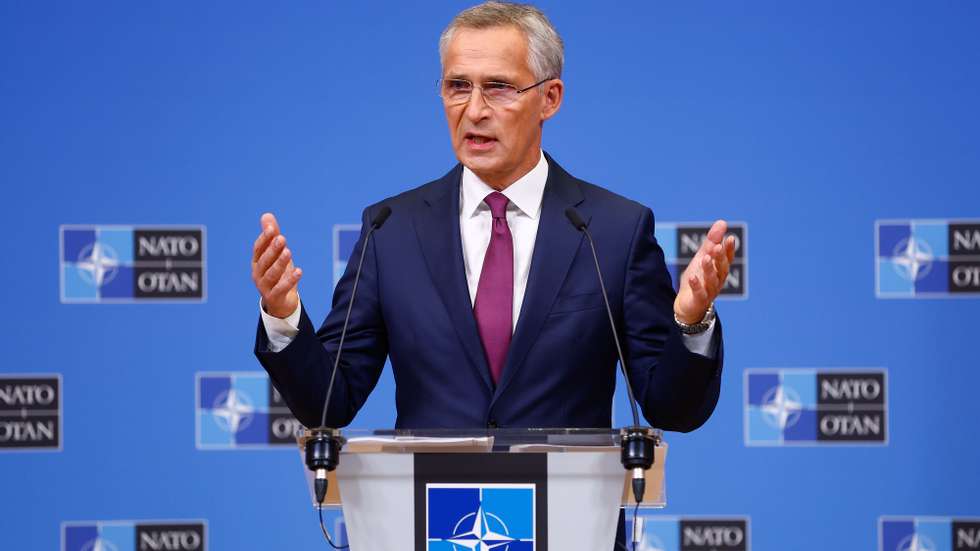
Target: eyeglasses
457	91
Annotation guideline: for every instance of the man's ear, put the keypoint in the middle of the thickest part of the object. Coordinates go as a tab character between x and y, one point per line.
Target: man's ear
553	92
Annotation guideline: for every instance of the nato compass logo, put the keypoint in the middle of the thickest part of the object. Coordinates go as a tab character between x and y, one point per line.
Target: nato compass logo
480	517
30	412
481	502
242	410
681	242
344	238
129	535
927	258
661	533
928	534
132	264
793	407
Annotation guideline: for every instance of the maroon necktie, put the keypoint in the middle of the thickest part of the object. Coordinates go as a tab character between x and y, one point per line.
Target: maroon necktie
494	305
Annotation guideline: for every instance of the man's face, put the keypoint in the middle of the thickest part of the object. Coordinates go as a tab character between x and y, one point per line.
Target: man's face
500	143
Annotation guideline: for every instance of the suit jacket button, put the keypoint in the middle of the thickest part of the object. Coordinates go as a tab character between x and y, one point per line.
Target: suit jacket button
492	424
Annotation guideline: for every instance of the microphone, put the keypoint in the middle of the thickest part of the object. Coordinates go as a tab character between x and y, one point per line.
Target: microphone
323	447
638	445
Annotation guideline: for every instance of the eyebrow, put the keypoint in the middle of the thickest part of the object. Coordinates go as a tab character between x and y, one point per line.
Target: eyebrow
491	78
499	78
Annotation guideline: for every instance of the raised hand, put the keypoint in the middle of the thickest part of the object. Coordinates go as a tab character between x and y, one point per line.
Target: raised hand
705	275
273	272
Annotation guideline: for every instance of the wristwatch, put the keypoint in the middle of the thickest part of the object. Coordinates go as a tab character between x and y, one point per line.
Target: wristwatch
699	327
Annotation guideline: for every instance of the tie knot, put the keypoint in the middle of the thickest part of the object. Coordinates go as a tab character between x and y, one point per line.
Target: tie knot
498	204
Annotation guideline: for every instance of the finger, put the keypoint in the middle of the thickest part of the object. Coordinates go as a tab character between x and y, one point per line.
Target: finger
269	256
270	229
286	283
272	275
694	266
730	248
261	242
721	262
710	276
269	219
717	231
697	289
715	235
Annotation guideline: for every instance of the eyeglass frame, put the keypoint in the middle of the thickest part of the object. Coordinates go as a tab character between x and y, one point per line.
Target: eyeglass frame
480	88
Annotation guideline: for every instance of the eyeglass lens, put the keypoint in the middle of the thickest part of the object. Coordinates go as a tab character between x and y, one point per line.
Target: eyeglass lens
460	91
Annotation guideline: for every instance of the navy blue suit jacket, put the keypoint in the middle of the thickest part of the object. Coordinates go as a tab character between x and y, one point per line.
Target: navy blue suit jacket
413	305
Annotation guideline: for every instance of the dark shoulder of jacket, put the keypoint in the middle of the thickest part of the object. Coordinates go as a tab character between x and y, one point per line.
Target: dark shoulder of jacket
410	199
604	200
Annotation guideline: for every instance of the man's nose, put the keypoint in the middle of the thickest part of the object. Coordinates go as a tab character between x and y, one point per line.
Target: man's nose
477	108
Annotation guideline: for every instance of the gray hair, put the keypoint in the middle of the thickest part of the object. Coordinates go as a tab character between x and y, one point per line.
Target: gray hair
546	52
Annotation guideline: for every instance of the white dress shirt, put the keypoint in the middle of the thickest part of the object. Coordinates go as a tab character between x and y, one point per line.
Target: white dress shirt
523	215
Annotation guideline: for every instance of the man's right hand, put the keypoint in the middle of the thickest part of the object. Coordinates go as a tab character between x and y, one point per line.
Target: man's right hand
273	272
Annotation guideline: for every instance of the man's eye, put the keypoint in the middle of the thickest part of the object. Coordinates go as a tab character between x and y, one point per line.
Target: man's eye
457	85
497	86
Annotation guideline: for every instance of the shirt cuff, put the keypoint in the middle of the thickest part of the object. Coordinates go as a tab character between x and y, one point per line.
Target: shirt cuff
704	344
281	331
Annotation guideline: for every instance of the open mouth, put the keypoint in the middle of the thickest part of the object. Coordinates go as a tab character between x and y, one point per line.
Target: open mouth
478	141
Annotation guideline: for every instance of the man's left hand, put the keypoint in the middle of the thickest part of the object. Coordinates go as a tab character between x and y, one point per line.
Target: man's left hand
705	275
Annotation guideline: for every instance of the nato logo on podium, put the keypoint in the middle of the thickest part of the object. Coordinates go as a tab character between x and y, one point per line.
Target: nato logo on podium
480	516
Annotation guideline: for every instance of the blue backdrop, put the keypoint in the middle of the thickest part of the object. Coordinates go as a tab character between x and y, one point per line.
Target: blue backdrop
808	122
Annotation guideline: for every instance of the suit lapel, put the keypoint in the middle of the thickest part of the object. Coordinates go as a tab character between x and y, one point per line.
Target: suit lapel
437	227
554	249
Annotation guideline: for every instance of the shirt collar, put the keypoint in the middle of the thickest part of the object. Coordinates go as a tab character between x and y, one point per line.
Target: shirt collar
525	194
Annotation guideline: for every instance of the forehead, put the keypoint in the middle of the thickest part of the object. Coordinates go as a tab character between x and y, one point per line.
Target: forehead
481	53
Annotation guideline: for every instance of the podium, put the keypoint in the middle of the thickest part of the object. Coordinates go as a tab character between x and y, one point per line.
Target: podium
513	489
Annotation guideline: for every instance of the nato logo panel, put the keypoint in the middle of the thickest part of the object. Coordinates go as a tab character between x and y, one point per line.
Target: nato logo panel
475	501
130	535
241	410
30	412
664	533
480	516
125	264
927	258
928	534
805	407
344	238
681	241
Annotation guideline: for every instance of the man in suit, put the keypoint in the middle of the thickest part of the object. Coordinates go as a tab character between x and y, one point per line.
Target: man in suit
478	288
